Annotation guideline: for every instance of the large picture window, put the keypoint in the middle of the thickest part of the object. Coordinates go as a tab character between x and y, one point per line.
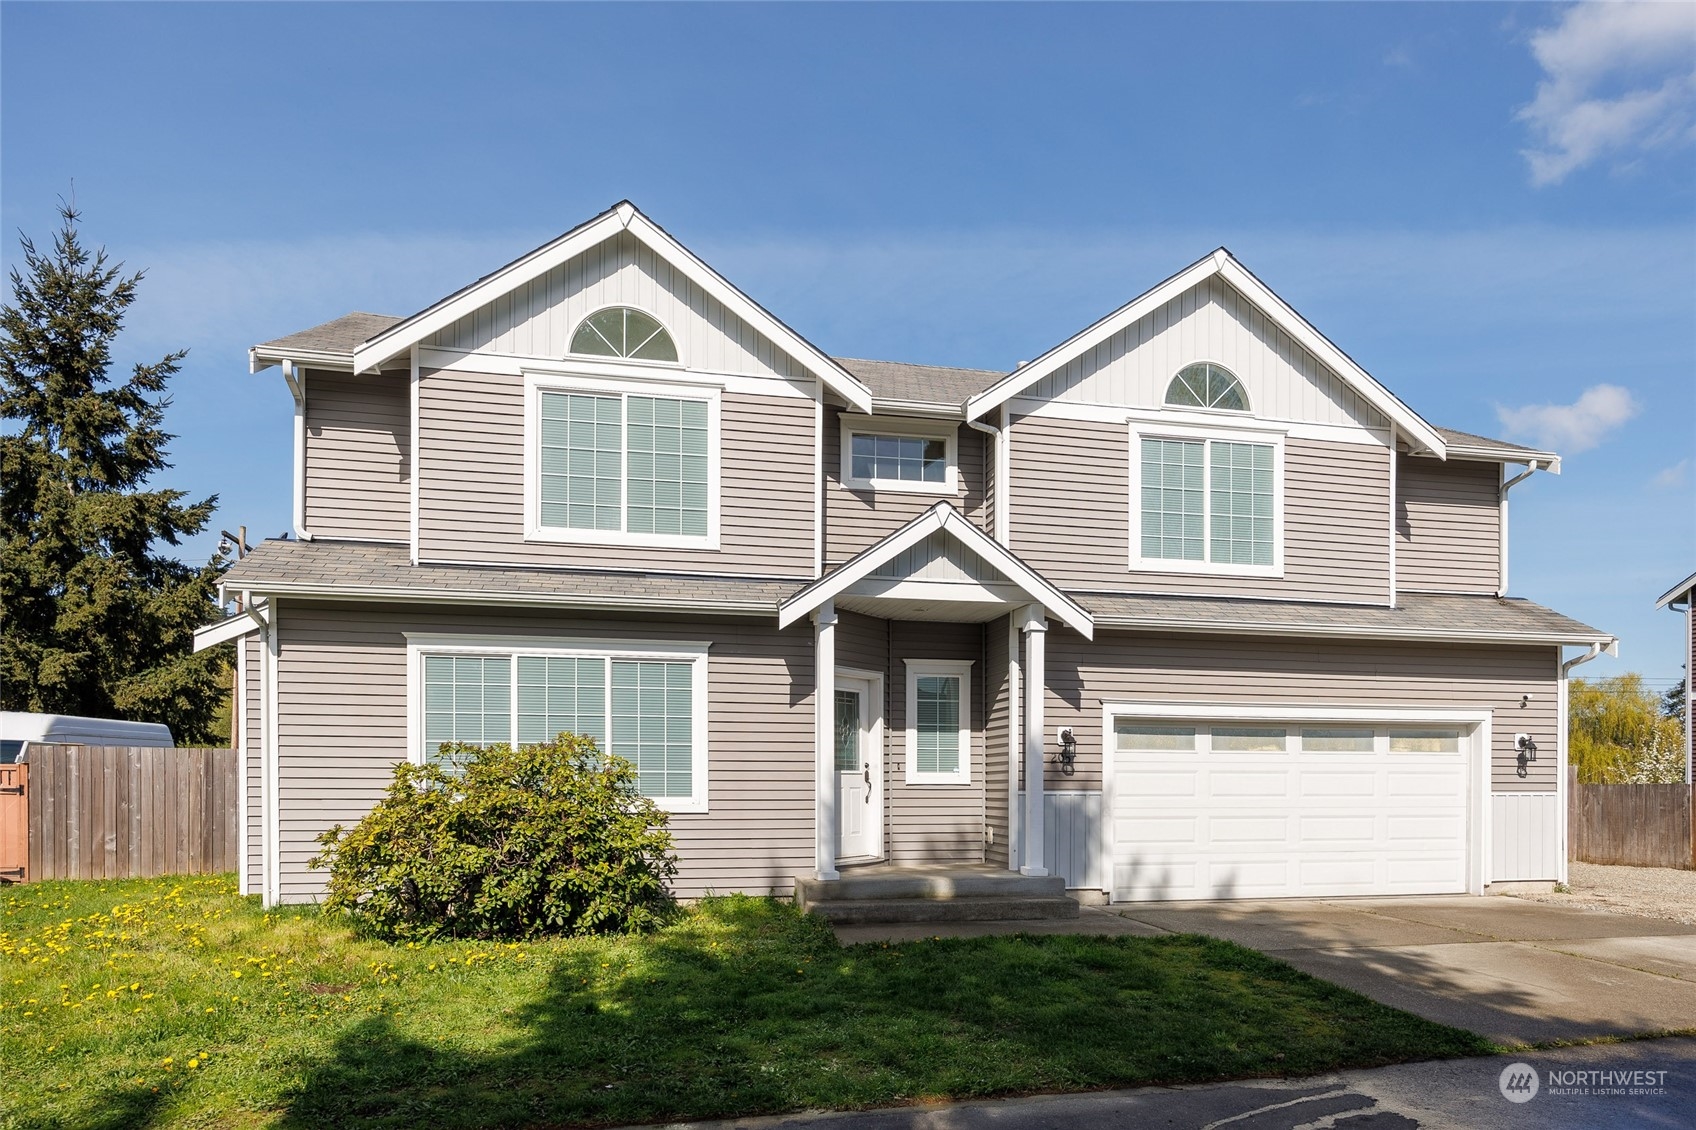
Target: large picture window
1207	504
615	465
647	707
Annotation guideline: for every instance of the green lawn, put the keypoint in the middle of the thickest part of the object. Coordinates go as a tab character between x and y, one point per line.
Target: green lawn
177	1003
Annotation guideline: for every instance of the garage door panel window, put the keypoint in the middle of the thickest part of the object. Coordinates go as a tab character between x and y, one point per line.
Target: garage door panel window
1338	739
1132	737
1424	741
1249	739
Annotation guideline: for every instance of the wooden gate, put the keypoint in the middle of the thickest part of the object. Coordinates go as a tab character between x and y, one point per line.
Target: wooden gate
14	823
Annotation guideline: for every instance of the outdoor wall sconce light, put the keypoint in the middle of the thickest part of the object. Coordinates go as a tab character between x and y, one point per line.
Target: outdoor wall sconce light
1527	753
1068	751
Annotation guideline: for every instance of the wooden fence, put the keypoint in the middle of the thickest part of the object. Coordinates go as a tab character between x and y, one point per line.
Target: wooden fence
117	812
1638	825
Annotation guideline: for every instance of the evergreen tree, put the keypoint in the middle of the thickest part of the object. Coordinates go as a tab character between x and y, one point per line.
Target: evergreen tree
1673	702
94	622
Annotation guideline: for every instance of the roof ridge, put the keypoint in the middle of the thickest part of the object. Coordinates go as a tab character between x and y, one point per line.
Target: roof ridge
921	364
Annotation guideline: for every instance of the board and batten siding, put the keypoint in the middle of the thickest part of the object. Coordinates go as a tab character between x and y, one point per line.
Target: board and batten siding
342	728
253	752
1448	525
1211	321
358	456
538	318
1138	667
858	517
471	484
1072	516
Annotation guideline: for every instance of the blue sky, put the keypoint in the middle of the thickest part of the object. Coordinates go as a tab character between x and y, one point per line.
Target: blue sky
1491	207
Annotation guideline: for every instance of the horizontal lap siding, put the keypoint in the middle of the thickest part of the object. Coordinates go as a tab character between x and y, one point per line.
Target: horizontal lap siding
857	518
342	722
934	823
1134	667
1448	525
471	486
1071	516
358	456
997	716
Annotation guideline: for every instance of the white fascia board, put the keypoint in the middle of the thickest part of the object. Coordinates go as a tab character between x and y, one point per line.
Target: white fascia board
404	335
1223	264
1536	460
392	593
260	358
941	516
835	377
211	635
1679	590
1090	337
1226	627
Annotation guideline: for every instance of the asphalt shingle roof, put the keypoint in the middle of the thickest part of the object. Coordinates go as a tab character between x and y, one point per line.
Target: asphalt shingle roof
338	335
1498	446
929	384
384	572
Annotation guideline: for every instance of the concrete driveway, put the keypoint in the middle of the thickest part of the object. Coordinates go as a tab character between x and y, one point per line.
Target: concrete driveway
1517	972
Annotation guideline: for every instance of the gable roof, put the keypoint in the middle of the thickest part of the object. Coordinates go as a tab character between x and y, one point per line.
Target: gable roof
1678	591
621	217
1223	264
941	517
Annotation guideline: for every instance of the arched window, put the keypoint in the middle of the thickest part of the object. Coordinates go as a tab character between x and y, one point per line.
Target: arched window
620	331
1206	385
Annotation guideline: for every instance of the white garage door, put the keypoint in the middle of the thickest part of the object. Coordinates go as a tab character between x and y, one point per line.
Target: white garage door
1209	810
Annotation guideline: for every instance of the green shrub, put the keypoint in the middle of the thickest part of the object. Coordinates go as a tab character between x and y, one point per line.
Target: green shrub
542	839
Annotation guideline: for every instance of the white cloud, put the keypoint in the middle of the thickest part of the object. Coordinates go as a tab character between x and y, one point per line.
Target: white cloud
1619	78
1669	478
1575	427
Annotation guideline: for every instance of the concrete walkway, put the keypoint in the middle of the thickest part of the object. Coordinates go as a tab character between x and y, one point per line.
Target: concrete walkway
1462	1094
1515	971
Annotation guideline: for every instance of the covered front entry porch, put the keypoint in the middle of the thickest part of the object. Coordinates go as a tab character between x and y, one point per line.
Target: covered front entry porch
929	677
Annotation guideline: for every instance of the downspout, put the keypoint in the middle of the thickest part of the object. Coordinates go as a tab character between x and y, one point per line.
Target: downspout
297	388
1610	646
1502	518
818	480
1003	466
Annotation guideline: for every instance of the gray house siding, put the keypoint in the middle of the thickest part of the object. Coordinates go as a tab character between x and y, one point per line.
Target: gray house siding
934	823
1448	525
997	717
856	518
358	456
253	778
1210	670
342	727
1071	516
471	496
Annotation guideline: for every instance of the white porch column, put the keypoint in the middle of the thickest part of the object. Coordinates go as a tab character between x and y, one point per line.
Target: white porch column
824	727
1035	628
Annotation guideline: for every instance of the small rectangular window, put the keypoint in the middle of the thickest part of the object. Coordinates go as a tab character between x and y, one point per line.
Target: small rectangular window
561	695
1424	741
467	699
898	458
1249	739
1143	737
1336	739
937	710
847	731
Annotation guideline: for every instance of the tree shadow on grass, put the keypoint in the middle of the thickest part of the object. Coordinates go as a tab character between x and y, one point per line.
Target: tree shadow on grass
748	1007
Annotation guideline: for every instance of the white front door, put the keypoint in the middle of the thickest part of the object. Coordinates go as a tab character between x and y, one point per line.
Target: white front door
859	775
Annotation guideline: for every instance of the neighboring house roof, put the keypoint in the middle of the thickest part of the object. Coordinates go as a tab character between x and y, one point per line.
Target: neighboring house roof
1677	592
1433	616
1223	264
385	572
935	385
944	518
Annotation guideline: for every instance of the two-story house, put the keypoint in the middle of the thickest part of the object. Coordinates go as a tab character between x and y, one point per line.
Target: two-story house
1189	606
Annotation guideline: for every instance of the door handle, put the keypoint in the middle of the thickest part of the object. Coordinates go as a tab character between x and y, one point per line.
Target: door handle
868	782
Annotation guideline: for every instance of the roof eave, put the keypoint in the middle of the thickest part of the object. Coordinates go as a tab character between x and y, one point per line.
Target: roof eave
388	593
1227	627
1681	589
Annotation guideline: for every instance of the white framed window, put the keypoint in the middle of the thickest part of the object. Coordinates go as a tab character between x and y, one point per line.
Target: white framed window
939	706
625	333
611	461
643	700
1207	500
913	456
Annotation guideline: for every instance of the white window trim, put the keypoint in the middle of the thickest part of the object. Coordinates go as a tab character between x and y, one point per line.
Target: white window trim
1141	429
568	379
948	431
419	645
961	669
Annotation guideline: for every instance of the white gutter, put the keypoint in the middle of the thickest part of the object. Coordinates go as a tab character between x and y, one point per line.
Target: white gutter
1228	627
1003	468
297	387
818	478
385	594
1502	519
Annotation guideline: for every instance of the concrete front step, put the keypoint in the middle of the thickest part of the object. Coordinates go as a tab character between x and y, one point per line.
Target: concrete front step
968	909
922	883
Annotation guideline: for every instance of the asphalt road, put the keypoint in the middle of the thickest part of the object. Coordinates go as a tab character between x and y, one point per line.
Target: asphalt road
1448	1095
